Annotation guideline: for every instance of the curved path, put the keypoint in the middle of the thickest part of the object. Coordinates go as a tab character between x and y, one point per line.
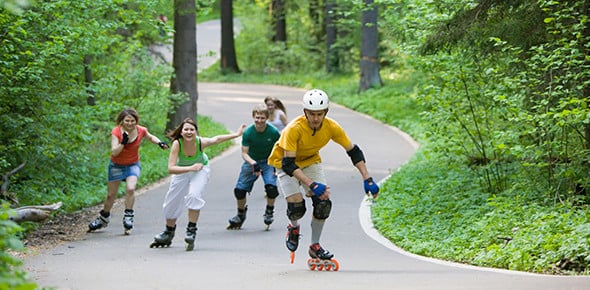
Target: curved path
252	258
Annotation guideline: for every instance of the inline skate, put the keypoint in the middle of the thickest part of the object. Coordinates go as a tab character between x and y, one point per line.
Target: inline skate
164	239
99	223
321	259
191	235
235	223
128	221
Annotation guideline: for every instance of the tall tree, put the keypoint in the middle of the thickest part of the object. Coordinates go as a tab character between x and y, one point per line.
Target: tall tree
229	61
369	62
184	61
332	51
316	13
278	21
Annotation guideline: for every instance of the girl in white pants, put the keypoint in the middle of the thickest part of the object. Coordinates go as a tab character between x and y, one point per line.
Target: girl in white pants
189	166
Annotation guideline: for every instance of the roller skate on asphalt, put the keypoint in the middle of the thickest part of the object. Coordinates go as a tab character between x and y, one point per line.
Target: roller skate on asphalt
268	216
235	223
163	239
321	259
292	240
128	221
99	223
191	235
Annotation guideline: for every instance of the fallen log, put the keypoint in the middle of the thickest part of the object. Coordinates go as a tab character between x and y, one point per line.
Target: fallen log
34	213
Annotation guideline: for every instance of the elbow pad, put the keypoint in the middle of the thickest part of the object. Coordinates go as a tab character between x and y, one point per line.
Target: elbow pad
289	166
356	155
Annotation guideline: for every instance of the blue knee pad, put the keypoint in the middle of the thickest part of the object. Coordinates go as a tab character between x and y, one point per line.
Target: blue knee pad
295	210
240	193
321	208
271	191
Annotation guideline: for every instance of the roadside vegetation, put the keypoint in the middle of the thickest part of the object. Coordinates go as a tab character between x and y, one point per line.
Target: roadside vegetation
499	107
497	102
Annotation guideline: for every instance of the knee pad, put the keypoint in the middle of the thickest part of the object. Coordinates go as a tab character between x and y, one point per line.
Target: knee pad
295	210
321	208
240	193
271	191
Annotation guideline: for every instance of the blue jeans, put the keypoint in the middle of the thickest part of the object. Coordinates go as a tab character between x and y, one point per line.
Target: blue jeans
247	177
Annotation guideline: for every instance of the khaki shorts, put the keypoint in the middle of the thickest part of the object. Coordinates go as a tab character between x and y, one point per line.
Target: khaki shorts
290	185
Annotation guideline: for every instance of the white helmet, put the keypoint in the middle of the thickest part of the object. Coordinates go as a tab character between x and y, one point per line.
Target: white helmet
315	100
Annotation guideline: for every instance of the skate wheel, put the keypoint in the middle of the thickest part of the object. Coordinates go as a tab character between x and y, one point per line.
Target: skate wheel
335	265
292	257
320	267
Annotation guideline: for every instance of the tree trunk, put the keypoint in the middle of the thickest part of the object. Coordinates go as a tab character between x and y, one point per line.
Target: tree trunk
90	100
184	61
586	48
279	24
35	213
332	52
229	61
369	62
317	10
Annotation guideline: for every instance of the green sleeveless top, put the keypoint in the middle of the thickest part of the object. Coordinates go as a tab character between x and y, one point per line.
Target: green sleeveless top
200	157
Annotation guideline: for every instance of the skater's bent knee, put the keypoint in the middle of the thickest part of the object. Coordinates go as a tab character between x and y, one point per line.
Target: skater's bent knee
295	210
271	191
240	193
322	209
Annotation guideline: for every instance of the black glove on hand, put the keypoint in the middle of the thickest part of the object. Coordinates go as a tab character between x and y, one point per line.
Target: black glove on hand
163	145
125	138
256	168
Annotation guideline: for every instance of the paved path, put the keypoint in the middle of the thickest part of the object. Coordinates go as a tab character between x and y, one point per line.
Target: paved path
256	259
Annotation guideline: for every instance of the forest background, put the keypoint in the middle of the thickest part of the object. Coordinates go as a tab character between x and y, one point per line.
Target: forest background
495	92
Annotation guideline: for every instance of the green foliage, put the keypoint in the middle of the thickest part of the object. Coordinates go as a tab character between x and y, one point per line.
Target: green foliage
11	276
499	108
55	134
439	211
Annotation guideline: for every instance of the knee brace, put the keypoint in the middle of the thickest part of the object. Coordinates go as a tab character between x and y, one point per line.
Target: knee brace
295	210
240	193
271	191
321	208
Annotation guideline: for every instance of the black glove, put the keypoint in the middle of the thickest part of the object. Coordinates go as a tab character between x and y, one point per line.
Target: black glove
256	168
125	138
163	145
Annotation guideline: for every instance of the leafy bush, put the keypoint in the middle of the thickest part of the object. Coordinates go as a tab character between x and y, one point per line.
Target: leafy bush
11	276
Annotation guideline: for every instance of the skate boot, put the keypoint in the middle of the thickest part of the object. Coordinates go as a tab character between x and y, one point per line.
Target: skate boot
128	221
292	240
235	223
321	259
163	239
268	216
99	223
191	235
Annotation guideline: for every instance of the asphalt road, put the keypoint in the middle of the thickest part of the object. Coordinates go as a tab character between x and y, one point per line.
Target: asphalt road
253	258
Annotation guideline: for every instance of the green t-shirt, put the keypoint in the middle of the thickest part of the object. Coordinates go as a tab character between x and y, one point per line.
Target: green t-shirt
260	143
200	157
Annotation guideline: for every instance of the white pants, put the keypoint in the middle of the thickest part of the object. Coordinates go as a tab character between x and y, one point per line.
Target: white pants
186	191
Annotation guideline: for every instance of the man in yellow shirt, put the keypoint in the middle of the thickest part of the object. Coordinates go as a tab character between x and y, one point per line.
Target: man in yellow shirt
297	160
